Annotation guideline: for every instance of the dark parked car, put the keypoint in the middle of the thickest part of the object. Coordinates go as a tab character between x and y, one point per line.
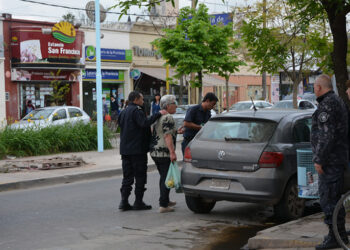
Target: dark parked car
247	156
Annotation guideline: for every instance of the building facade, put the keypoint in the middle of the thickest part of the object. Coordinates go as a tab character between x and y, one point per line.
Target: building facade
40	57
116	59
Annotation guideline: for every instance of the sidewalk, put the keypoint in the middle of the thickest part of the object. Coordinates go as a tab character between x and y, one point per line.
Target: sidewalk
99	165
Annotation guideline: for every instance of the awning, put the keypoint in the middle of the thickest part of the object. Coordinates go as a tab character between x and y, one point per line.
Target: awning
159	73
209	80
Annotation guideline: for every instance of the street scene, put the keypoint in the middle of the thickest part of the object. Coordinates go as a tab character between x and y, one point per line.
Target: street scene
174	124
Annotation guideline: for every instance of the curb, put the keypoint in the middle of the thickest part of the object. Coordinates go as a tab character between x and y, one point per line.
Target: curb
296	234
65	179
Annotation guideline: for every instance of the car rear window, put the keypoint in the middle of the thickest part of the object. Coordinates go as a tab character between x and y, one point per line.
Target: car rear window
239	131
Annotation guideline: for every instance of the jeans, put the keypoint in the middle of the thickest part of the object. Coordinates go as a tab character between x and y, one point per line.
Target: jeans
162	164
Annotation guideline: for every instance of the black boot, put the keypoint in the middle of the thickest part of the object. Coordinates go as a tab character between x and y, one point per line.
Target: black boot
124	205
329	241
140	205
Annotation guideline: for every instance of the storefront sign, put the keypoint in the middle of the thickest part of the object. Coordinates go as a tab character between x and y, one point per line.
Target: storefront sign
144	52
108	55
224	19
107	75
135	74
64	31
24	75
36	45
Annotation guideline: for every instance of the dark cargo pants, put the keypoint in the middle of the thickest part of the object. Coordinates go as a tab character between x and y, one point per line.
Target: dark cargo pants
330	190
134	168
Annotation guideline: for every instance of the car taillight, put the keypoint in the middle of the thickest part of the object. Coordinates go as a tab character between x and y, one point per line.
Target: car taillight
270	159
187	156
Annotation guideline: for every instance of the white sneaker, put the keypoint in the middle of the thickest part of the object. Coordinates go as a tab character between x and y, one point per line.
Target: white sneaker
166	209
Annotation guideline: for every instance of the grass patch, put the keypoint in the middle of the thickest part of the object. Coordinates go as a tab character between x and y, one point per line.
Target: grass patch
51	140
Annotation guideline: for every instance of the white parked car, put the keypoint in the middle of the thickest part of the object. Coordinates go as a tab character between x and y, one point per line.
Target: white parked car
288	104
58	115
243	105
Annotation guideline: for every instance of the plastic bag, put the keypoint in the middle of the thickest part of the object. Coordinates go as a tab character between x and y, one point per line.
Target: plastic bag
173	178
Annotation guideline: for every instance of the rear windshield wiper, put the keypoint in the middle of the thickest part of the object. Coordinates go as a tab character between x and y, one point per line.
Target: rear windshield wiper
236	139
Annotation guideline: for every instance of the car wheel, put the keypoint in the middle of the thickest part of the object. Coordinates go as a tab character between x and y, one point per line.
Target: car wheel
290	207
199	205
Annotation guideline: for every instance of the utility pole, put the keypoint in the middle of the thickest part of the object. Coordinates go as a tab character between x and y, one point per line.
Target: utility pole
264	73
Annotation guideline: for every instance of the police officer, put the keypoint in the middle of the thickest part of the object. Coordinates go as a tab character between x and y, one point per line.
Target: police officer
196	116
134	144
330	154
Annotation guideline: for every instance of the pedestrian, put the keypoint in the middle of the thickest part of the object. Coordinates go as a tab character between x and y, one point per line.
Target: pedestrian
329	142
122	104
104	108
155	104
162	148
134	144
29	107
196	117
114	113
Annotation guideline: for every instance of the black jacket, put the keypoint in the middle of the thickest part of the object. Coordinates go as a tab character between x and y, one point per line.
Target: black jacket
329	133
135	132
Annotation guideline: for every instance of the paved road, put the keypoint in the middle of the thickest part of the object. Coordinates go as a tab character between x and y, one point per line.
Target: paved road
84	215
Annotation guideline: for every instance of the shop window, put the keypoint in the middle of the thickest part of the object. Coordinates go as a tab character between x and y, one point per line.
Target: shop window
74	112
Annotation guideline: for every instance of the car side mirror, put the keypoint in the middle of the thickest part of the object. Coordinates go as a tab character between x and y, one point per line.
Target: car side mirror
55	118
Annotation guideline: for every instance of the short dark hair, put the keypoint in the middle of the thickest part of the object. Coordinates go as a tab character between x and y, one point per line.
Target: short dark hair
134	95
211	97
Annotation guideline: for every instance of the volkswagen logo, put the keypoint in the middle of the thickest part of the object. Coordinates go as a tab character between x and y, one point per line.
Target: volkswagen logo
221	155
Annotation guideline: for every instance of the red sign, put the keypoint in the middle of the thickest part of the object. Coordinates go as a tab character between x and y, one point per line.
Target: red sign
38	45
24	75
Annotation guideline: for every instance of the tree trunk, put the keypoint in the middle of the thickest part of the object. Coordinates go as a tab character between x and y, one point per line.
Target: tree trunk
337	22
227	94
181	87
295	92
200	76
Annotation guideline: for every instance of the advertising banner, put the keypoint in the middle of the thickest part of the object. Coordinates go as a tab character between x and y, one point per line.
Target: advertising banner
108	55
47	75
107	75
38	45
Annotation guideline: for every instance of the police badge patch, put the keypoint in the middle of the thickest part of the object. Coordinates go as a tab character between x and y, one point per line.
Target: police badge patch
323	117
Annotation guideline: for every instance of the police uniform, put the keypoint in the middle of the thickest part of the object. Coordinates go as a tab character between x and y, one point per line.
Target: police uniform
134	145
329	141
197	115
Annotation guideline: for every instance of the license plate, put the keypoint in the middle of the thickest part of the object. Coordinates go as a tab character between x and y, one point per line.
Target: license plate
220	184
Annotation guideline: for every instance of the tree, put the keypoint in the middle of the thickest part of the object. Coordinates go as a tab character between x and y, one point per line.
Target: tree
60	90
195	45
286	43
336	11
69	17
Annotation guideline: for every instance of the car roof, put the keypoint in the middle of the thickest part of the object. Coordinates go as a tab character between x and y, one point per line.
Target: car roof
56	107
266	114
251	101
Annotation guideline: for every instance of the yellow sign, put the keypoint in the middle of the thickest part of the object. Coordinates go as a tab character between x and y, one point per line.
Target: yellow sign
64	31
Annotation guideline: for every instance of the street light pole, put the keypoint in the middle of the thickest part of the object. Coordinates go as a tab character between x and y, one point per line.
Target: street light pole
98	79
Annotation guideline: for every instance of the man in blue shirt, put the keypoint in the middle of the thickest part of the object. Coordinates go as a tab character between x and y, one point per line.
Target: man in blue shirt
196	117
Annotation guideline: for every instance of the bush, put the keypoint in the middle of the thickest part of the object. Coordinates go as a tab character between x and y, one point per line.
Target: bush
51	140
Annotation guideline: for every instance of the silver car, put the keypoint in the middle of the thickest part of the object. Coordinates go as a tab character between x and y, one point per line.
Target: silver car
50	116
247	156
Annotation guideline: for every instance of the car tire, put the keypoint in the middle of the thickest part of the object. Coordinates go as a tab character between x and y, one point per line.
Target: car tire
290	207
199	205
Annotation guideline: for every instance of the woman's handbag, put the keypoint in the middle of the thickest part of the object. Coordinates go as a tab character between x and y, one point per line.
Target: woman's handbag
173	178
